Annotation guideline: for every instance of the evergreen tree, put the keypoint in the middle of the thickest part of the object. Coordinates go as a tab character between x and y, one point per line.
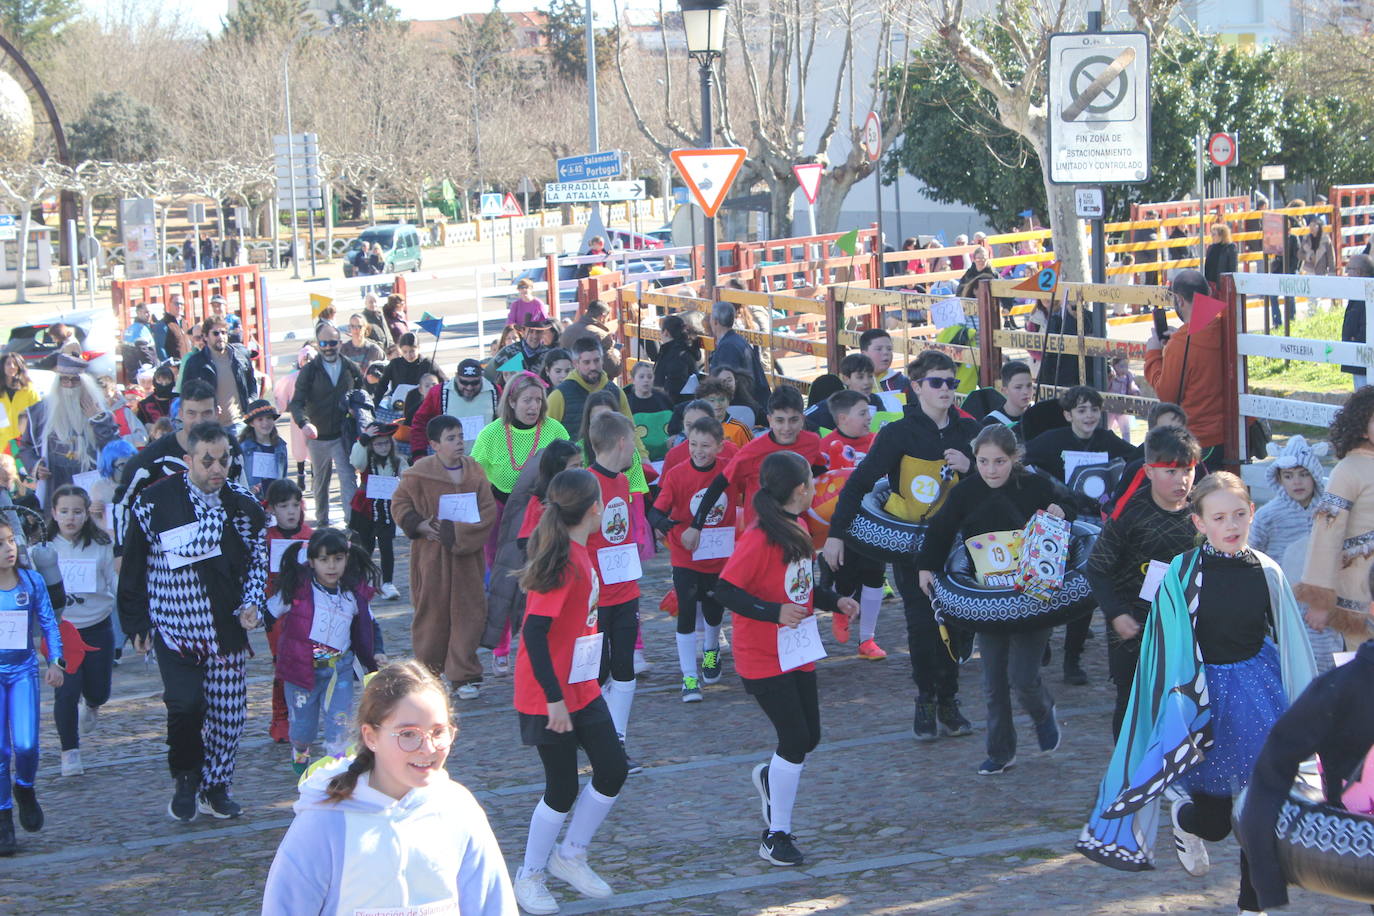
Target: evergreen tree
36	26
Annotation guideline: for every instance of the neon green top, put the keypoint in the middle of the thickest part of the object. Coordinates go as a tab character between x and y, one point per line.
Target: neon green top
494	455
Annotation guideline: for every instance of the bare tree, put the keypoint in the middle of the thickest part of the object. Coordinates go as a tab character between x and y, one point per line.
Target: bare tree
24	185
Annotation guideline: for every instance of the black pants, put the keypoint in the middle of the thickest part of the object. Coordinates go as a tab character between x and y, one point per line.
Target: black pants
594	733
856	572
1122	657
695	587
380	534
89	683
1075	636
206	705
1209	817
935	672
791	703
620	623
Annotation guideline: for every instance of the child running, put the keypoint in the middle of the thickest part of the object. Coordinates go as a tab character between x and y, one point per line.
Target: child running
985	508
286	512
264	450
23	603
767	585
557	698
1223	654
695	572
1018	388
89	577
387	830
322	613
374	455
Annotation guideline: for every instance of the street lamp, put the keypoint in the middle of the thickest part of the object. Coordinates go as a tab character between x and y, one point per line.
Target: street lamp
704	23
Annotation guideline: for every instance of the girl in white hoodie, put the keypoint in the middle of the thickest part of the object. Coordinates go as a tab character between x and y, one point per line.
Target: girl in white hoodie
387	830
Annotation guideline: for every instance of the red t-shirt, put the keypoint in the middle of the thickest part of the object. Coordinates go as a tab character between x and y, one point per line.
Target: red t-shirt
679	453
573	608
840	451
534	511
743	470
679	495
614	534
275	534
756	566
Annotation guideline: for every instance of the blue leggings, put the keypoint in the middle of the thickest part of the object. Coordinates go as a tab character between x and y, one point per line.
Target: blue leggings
18	729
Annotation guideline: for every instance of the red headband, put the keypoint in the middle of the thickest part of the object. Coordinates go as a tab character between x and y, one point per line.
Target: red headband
1171	464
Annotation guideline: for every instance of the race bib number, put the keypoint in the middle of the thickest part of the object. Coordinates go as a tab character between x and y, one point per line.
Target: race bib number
264	466
586	660
716	544
458	507
925	489
1154	577
619	564
379	487
330	625
471	427
14	630
799	645
79	575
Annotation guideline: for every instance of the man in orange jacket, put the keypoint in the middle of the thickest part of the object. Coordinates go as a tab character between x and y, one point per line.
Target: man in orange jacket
1187	369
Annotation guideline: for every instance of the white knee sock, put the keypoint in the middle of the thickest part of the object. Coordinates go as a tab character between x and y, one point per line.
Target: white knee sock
712	637
870	603
687	653
591	809
619	695
783	778
699	634
544	826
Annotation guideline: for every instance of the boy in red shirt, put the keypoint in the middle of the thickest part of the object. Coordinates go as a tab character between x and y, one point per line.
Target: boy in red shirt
858	577
285	505
616	556
693	412
681	491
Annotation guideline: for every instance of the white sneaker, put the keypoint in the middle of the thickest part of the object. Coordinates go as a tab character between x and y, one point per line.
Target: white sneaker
641	664
1192	852
500	665
531	893
87	718
71	763
390	591
576	871
469	692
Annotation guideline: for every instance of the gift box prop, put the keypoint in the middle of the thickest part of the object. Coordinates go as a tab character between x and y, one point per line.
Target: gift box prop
1044	556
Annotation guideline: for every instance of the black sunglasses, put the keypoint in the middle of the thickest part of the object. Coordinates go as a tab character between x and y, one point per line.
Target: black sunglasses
940	381
329	343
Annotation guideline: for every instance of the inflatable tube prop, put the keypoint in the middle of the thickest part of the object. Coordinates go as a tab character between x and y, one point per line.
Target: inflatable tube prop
817	518
960	600
880	535
1324	848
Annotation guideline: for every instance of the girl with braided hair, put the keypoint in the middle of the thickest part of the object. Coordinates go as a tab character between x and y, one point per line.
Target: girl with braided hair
387	828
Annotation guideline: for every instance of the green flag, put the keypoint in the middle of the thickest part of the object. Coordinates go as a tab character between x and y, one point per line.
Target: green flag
515	364
849	242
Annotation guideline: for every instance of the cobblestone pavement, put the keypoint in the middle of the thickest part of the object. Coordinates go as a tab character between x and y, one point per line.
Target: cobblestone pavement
887	825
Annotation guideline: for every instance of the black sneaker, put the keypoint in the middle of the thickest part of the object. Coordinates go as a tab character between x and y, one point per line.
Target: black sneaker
760	776
1074	675
925	727
215	801
710	666
30	814
8	845
182	807
632	765
952	721
778	849
1047	734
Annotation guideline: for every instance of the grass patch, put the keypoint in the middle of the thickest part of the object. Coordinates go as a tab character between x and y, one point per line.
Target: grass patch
1037	853
1294	375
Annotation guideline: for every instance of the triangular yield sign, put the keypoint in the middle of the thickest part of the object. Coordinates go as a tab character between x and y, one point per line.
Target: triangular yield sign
510	206
709	173
809	177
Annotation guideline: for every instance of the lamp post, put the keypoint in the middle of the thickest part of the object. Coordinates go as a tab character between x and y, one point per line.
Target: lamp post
704	23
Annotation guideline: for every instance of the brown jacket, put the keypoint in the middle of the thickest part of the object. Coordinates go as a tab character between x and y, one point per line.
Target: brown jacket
446	576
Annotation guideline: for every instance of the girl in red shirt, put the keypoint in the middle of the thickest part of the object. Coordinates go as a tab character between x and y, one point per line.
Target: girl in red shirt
768	584
557	696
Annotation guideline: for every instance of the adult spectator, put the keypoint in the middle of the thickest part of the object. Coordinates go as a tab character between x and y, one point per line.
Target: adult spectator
139	342
319	409
190	253
17	395
190	587
376	325
594	324
536	339
1187	369
359	348
677	358
207	259
1316	251
174	342
67	429
1352	322
1221	256
978	270
282	391
568	399
229	368
470	397
732	351
394	312
406	369
217	309
958	261
526	307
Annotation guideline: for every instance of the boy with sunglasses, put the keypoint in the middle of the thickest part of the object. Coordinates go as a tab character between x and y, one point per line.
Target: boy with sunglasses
922	455
470	397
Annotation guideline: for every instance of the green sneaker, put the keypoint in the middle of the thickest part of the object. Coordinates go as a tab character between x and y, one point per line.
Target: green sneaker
691	690
710	666
300	762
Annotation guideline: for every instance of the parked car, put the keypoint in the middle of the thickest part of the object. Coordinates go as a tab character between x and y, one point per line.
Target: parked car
664	234
635	241
400	246
94	330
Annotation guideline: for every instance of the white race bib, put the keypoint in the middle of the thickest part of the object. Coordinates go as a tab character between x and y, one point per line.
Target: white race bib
379	487
87	480
79	575
458	507
264	466
1154	576
330	625
586	660
619	564
14	630
716	544
277	549
4	416
439	908
799	645
472	426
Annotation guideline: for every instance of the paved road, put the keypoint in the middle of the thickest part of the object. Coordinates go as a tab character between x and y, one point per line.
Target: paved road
888	825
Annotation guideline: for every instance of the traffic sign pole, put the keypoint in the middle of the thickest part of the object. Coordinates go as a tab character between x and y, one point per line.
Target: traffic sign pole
873	139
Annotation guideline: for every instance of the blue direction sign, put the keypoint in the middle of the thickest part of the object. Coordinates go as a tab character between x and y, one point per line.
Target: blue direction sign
591	166
6	220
